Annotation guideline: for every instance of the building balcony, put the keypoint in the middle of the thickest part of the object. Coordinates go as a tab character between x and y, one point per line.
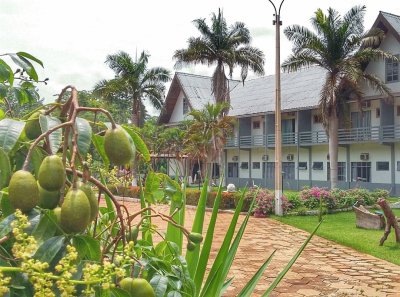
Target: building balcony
345	136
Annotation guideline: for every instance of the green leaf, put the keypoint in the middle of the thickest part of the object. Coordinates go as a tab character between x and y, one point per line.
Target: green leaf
55	138
2	113
117	292
87	247
98	142
21	95
26	65
249	288
223	251
10	77
208	240
159	284
139	143
10	131
228	259
4	71
290	264
5	169
30	57
5	224
46	228
84	131
36	159
3	92
174	294
5	204
192	257
49	249
152	185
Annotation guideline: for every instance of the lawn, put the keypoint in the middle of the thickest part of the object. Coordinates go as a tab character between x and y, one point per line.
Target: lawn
341	228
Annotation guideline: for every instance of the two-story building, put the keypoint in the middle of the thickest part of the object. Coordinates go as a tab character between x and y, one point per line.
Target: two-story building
369	141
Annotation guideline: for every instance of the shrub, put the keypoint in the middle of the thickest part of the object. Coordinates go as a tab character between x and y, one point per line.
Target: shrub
227	199
294	200
311	198
265	201
120	190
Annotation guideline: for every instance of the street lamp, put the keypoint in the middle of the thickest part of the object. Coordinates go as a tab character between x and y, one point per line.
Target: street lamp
278	130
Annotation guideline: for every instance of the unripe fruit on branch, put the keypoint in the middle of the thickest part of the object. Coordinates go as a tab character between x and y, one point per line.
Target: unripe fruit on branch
51	173
32	126
119	146
94	205
75	212
190	246
195	237
48	199
137	287
23	191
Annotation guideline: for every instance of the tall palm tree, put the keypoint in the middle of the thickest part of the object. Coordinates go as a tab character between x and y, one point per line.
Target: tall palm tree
343	49
134	82
226	47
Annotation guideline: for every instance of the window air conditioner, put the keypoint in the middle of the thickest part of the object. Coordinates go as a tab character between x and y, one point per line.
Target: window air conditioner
290	157
235	158
364	156
265	157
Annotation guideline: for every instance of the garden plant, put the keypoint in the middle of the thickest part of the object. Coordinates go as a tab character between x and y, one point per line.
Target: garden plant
64	233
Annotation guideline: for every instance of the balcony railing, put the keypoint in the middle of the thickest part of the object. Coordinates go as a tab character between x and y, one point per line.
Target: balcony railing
345	136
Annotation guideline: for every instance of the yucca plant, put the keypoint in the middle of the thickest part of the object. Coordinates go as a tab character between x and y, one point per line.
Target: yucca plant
197	259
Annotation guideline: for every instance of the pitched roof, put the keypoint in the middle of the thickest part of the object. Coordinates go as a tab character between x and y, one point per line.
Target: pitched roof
300	90
388	22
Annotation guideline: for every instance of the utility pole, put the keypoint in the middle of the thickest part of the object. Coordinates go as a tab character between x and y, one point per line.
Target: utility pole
278	119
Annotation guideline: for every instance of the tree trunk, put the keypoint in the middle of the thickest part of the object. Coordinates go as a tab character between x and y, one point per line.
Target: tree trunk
135	112
391	221
333	148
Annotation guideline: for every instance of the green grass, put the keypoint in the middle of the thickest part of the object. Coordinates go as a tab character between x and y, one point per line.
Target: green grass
341	228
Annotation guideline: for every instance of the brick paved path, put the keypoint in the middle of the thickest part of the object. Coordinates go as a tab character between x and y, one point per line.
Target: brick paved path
324	269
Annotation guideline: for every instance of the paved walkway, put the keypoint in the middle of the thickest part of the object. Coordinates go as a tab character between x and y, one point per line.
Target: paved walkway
324	269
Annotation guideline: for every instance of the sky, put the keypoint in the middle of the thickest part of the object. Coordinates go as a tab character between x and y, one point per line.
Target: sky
73	37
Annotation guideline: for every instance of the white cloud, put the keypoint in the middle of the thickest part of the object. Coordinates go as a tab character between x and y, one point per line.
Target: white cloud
73	37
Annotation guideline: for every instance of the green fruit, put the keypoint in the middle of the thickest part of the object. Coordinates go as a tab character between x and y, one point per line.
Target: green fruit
48	199
119	148
137	287
51	174
75	212
195	237
32	126
57	213
23	191
134	234
94	205
191	246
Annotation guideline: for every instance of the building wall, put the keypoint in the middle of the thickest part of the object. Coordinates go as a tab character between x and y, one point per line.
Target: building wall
177	114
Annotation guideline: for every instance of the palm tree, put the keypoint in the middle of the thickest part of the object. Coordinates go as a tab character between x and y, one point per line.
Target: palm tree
227	47
343	49
207	133
134	82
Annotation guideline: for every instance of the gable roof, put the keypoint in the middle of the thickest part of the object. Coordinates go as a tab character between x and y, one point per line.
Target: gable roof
388	22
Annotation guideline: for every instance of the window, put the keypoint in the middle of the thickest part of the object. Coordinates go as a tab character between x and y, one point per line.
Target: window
244	165
392	70
269	170
185	105
398	110
302	165
382	166
317	119
256	165
361	171
233	169
256	125
366	104
378	113
288	170
215	170
341	171
318	166
398	165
